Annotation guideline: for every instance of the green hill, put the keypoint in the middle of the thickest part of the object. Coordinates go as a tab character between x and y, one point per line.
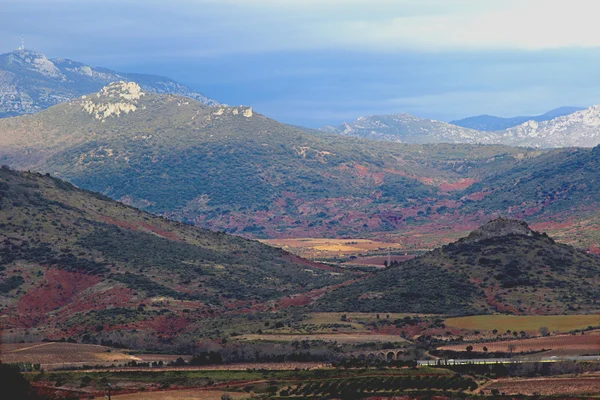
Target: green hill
232	169
501	267
552	183
73	260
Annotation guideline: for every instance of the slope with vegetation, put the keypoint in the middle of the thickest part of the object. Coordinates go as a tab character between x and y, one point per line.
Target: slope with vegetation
232	169
74	262
503	266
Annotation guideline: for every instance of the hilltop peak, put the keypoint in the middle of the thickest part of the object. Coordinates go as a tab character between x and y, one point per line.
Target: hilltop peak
500	227
35	61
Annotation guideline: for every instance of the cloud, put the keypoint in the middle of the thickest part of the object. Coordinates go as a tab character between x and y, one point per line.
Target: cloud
217	27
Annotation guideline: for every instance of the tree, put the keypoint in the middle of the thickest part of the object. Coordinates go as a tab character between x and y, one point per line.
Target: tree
544	331
511	347
485	348
14	385
469	348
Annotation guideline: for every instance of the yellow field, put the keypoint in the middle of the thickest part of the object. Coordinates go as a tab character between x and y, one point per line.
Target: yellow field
319	247
183	394
555	323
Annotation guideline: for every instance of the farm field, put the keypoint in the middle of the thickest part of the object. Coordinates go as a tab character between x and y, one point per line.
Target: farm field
326	248
549	386
54	353
182	394
566	344
333	337
555	323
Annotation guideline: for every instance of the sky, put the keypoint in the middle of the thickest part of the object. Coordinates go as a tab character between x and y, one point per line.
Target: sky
318	62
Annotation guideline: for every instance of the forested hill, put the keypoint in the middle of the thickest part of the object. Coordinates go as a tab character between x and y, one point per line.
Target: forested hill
503	266
232	169
71	260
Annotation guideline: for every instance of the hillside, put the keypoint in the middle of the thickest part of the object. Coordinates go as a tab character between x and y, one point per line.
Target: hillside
406	128
232	169
30	82
502	266
492	123
74	262
553	183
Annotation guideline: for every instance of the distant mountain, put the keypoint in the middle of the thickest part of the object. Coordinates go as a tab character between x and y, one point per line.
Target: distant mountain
406	128
492	123
579	129
30	82
231	169
74	262
503	266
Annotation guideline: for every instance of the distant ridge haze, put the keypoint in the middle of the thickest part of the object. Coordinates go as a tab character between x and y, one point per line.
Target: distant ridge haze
493	123
561	127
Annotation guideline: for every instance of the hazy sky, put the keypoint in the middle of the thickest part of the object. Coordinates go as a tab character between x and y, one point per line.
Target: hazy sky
317	62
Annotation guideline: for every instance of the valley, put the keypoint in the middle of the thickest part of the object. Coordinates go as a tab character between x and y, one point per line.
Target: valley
159	244
97	292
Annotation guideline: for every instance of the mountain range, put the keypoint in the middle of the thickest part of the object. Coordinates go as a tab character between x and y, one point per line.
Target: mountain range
493	123
30	82
576	128
231	169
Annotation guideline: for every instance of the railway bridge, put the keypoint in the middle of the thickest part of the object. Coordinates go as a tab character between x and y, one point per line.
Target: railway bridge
386	354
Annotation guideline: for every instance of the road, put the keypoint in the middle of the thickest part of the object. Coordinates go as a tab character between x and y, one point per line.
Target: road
515	360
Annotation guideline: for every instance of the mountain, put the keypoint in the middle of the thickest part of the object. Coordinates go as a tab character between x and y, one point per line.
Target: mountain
73	261
406	128
30	82
232	169
577	129
503	266
581	129
492	123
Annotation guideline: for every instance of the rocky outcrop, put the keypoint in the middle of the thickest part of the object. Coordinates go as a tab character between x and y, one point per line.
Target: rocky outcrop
499	227
113	100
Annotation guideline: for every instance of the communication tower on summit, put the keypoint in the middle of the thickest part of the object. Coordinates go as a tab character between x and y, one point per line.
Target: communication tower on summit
22	47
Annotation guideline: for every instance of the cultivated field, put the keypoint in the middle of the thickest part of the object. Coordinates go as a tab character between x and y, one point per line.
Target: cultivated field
183	394
555	323
325	248
549	386
62	354
567	344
